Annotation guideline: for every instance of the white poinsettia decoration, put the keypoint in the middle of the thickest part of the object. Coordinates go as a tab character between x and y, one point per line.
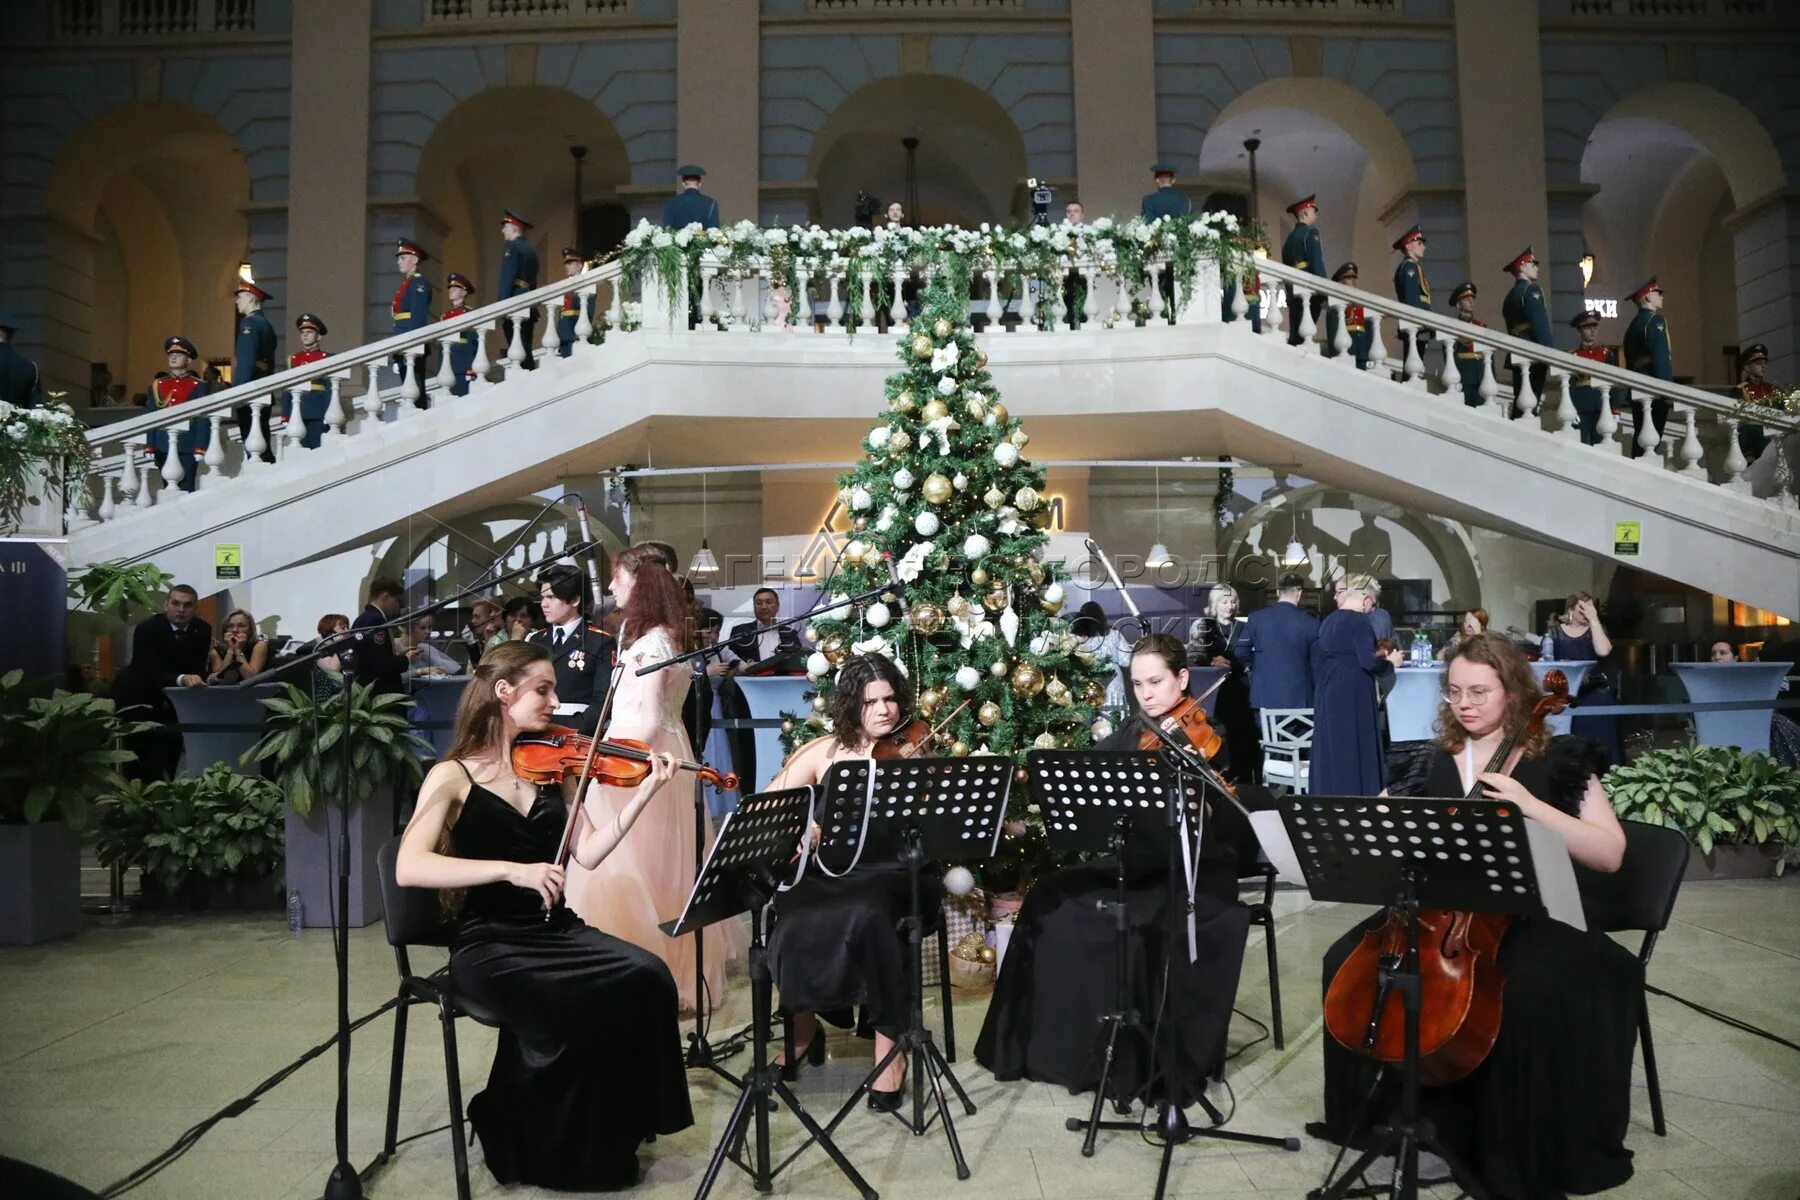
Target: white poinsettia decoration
912	563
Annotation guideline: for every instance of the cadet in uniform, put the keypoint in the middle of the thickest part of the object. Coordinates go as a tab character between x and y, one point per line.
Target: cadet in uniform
1165	201
411	307
1468	357
1410	285
318	396
581	652
1647	352
570	312
1527	316
458	289
19	383
518	275
1355	319
689	205
1304	252
178	385
1586	397
253	358
1753	388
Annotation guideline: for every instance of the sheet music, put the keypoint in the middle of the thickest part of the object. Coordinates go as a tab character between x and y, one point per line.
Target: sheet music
1555	874
1272	833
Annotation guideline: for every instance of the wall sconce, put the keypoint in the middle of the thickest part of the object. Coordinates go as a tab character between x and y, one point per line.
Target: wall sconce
1587	270
244	274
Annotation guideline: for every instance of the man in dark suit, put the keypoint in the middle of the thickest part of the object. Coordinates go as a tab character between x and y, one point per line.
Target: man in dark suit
759	641
1281	640
374	659
167	651
19	384
582	653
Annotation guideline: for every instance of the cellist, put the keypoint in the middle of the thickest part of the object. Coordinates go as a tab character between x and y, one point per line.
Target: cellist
1545	1114
1058	977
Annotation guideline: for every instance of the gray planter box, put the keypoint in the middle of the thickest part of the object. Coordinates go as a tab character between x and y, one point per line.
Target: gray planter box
1734	862
311	867
40	883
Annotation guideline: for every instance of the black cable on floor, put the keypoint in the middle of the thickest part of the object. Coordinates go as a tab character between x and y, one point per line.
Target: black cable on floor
1722	1018
236	1108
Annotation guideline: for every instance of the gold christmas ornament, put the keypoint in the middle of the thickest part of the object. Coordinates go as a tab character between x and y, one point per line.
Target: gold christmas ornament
934	410
998	409
957	605
928	701
959	749
818	703
853	553
988	954
787	725
976	410
1057	692
980	359
993	497
1051	606
927	618
970	947
1092	693
1027	680
1025	499
921	346
835	650
1045	741
988	714
1019	437
936	489
900	442
860	524
995	600
979	577
941	328
903	402
1034	571
811	634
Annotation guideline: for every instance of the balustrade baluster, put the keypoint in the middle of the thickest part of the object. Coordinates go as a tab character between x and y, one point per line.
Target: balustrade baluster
129	483
1090	306
551	342
1525	401
834	306
866	314
1607	427
615	307
1690	443
1565	419
515	345
214	458
771	310
802	307
1488	388
1123	301
1240	304
255	444
1340	341
1646	436
78	499
109	505
1028	303
1411	365
1451	376
1309	329
445	377
709	273
897	277
334	406
1733	463
410	391
1155	300
482	364
1274	308
991	307
1058	314
586	301
294	429
1377	347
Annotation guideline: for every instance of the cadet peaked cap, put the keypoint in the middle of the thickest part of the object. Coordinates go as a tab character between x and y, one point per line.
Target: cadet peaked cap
172	344
1413	234
310	321
1465	288
1525	256
1311	201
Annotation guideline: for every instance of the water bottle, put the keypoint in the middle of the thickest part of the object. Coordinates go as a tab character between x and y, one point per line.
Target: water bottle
1422	646
296	912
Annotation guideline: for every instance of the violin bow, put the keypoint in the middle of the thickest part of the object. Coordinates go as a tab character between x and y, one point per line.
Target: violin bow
564	845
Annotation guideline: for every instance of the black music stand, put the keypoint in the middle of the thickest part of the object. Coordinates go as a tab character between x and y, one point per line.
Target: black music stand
942	808
1413	853
755	845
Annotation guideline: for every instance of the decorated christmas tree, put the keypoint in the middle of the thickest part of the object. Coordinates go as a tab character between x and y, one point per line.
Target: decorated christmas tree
946	502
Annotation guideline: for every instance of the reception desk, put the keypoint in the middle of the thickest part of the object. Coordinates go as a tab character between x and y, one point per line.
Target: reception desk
1412	706
205	711
768	696
1706	683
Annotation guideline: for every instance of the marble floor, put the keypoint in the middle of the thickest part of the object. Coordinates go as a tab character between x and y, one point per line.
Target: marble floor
114	1042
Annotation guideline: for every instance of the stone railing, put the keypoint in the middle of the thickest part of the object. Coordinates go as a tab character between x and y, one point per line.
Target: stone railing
83	19
450	12
752	296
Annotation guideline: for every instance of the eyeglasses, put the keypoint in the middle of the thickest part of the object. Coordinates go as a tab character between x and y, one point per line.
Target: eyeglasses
1477	695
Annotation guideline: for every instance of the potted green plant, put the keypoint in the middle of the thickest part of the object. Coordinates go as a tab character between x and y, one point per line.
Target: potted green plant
1741	810
304	750
207	842
58	751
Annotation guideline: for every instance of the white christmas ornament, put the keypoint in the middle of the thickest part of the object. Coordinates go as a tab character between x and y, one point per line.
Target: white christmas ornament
984	630
1101	729
874	645
878	436
860	498
966	677
912	563
946	385
958	881
1006	454
1040	645
885	522
1054	593
1009	625
975	546
926	523
878	615
817	665
961	482
903	479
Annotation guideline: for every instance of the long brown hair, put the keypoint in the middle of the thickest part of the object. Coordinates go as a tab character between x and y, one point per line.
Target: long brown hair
1516	680
479	716
656	599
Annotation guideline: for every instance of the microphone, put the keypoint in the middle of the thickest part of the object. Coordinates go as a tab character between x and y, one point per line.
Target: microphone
596	593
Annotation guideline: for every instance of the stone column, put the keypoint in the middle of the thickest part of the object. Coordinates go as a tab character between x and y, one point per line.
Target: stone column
328	189
717	87
1768	278
1501	105
1115	105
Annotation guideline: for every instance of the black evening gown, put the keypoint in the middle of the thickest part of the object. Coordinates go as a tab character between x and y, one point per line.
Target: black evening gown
837	944
1545	1115
1346	750
589	1059
1060	973
1232	703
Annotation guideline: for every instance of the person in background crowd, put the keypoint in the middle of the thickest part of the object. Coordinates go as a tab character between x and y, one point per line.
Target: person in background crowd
317	400
1281	639
1753	387
425	660
1105	645
569	313
330	625
759	640
167	650
689	205
1355	320
1527	316
1473	622
1578	636
518	617
374	660
1469	364
1346	751
580	651
486	622
1074	213
19	382
1380	619
1303	251
1583	393
1647	352
242	655
253	358
1166	200
179	385
518	275
458	289
1222	639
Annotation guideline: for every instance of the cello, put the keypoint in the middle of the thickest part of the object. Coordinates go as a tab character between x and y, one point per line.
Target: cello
1460	981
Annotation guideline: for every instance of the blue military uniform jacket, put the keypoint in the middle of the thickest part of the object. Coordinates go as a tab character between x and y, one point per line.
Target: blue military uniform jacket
1281	642
1525	313
1410	285
19	385
1165	202
1647	346
253	354
1304	250
691	207
518	269
584	667
412	304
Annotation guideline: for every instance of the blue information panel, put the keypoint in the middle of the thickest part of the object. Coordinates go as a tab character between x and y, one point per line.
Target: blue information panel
34	597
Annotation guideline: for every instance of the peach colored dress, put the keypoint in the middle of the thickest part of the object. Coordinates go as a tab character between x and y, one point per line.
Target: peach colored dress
646	880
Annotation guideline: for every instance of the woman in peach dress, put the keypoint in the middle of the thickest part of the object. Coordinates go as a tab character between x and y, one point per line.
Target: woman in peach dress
647	879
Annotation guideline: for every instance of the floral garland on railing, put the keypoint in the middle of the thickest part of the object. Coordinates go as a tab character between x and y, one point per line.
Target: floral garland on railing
32	441
954	254
1777	404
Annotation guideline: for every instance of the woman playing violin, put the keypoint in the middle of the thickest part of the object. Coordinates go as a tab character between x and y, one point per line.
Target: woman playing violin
570	1096
837	941
1545	1113
1058	978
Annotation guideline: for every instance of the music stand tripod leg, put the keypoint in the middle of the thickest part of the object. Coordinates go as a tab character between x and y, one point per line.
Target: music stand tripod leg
1121	1014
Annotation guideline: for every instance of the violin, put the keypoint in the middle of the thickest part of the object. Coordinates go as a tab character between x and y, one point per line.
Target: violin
1460	981
1186	720
912	740
558	752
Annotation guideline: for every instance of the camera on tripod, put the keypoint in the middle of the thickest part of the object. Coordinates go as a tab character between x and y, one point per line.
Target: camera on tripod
1042	196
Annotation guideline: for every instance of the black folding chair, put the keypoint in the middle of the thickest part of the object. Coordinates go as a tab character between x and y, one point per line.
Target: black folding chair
1262	912
1639	895
412	917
